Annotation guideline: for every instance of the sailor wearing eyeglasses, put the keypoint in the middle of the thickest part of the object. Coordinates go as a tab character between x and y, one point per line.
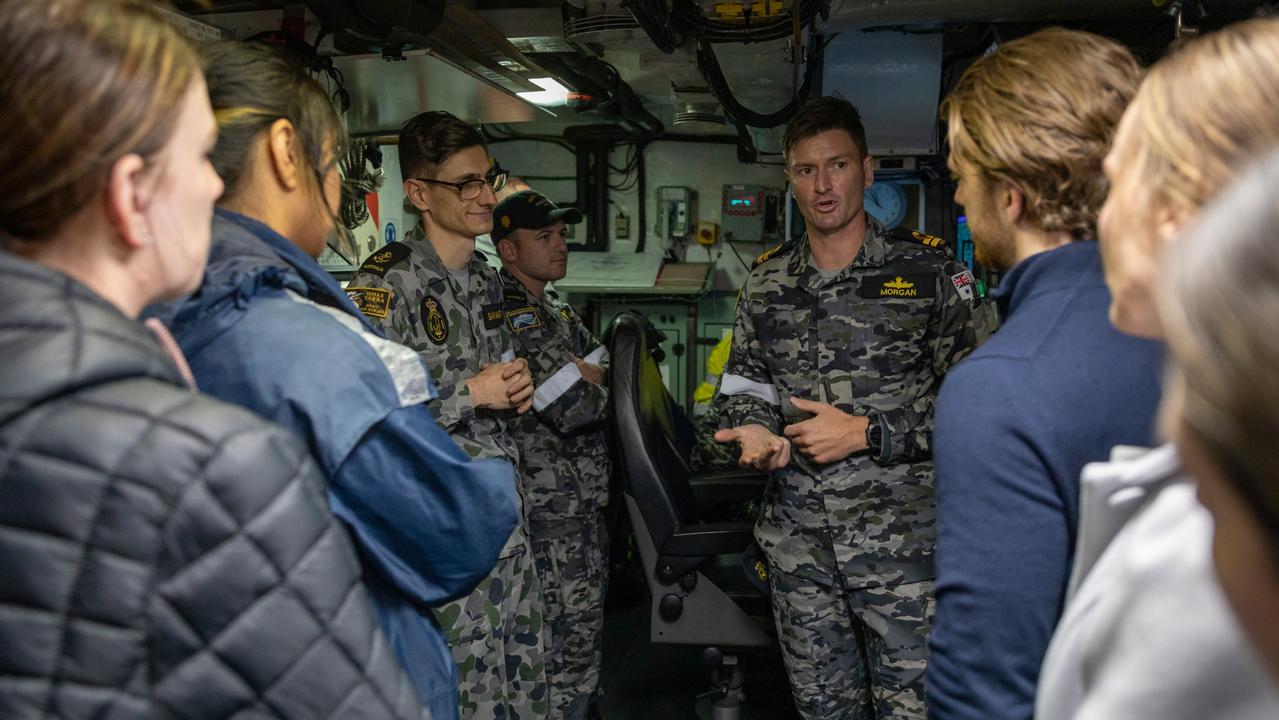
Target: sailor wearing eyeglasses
435	294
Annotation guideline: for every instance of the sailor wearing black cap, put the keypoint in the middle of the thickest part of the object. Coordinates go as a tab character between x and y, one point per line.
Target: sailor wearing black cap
566	465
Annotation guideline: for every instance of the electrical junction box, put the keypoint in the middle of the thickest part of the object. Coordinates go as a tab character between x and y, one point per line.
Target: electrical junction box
752	213
674	212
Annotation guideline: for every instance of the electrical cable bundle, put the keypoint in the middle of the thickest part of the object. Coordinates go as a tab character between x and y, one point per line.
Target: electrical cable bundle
495	132
685	17
655	19
714	75
628	171
358	180
689	19
307	55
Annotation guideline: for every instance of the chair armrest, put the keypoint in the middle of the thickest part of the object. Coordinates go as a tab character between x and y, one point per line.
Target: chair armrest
728	486
708	539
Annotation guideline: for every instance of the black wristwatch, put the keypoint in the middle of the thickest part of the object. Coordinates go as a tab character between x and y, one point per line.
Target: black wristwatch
874	435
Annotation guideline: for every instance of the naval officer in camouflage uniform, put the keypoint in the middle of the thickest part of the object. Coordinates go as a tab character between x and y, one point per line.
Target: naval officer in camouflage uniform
840	344
435	294
566	459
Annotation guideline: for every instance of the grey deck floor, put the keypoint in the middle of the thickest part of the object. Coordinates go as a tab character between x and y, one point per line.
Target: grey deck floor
643	681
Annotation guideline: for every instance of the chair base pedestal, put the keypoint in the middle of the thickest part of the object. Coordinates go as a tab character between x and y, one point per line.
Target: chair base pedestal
727	679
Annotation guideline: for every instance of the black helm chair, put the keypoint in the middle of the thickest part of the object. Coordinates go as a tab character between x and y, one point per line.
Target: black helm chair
700	595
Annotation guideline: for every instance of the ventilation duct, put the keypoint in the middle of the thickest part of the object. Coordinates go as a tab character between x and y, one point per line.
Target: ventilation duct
693	117
696	111
611	29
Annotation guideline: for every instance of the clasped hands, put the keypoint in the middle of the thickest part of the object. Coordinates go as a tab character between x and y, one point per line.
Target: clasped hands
829	436
503	386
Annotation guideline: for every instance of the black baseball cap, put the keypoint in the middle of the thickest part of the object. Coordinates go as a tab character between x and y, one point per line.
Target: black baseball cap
530	210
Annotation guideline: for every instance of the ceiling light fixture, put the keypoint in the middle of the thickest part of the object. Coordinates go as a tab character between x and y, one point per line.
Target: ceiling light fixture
552	94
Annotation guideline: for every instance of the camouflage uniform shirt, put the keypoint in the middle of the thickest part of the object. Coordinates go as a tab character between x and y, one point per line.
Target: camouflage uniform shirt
562	442
874	340
407	291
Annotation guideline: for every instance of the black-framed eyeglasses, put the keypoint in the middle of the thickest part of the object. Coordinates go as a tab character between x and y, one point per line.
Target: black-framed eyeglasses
471	189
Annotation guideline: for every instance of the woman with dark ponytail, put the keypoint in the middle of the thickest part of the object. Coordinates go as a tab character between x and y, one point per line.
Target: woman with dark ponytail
270	330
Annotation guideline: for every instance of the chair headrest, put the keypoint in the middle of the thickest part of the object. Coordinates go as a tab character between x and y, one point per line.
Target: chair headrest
647	429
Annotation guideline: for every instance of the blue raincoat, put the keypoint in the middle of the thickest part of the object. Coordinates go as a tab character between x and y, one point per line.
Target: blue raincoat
271	331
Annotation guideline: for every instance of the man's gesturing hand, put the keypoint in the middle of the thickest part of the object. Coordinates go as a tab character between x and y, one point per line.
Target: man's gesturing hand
761	449
830	435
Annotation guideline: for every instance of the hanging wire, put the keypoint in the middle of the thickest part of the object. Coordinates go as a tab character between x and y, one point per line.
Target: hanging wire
359	178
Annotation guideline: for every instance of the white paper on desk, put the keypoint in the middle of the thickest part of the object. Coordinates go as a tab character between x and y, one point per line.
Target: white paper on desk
610	271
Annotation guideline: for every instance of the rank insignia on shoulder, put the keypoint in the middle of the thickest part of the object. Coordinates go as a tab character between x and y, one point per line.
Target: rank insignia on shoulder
567	313
929	240
433	321
373	302
911	286
777	250
523	319
383	260
919	238
965	284
492	315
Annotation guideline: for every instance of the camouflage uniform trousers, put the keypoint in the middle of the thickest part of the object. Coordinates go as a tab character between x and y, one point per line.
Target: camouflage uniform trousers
854	654
497	636
573	568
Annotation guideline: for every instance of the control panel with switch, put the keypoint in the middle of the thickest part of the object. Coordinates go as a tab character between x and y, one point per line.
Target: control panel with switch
752	213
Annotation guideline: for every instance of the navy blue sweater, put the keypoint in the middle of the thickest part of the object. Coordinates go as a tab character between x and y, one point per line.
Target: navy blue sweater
1057	387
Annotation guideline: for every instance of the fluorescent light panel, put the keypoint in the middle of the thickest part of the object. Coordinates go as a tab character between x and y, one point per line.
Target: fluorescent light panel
552	93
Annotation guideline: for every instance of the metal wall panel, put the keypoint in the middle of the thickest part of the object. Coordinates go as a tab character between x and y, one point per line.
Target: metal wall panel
894	78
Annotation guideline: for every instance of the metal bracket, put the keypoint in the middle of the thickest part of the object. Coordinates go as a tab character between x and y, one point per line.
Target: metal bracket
1177	11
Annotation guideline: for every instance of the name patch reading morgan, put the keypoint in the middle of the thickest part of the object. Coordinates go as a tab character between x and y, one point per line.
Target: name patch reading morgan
381	261
373	302
492	315
910	286
433	321
522	319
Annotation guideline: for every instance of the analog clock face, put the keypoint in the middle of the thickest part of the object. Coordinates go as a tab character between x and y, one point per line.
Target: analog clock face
886	201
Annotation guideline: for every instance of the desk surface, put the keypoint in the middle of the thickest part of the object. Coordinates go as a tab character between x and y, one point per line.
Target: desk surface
672	279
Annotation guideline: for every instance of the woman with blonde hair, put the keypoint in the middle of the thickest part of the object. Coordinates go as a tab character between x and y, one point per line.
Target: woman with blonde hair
163	554
1146	632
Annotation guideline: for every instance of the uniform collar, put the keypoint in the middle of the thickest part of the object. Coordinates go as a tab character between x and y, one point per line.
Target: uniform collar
417	239
512	284
420	243
873	253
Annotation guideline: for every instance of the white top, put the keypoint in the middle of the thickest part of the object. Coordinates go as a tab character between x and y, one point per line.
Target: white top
1147	633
